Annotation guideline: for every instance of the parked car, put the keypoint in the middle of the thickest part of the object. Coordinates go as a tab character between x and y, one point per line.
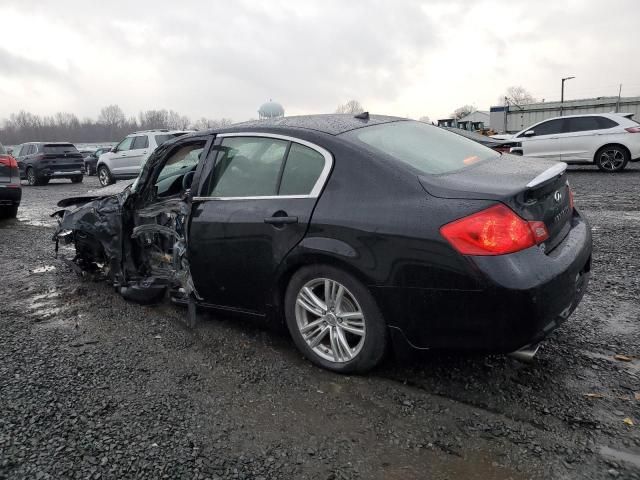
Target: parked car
359	231
126	159
502	146
40	162
608	140
10	189
91	159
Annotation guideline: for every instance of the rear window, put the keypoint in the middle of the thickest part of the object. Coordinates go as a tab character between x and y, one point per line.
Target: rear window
429	149
160	139
2	150
66	148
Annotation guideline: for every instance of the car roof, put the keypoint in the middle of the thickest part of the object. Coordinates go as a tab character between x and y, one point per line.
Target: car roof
332	124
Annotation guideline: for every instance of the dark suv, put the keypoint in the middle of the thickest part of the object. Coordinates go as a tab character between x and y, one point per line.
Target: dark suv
10	190
39	162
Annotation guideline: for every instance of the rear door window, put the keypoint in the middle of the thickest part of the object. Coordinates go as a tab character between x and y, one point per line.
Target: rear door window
301	171
429	149
248	167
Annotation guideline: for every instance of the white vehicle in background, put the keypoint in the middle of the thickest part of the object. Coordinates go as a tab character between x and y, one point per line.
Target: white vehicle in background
126	159
610	140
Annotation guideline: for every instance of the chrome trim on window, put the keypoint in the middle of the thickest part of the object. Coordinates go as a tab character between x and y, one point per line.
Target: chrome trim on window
554	171
317	188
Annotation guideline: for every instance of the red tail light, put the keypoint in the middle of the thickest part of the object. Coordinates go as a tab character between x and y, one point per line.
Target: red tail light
494	231
9	161
633	129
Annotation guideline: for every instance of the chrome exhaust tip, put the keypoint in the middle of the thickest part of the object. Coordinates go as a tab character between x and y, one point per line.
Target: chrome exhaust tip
526	353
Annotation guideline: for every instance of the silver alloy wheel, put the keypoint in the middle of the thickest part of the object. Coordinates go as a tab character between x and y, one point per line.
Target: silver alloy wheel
103	177
611	159
330	320
31	177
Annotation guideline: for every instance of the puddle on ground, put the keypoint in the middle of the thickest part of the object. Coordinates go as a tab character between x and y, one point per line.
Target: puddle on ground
620	455
44	269
632	367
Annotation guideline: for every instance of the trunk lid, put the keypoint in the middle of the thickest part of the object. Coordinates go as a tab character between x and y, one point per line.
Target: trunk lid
537	190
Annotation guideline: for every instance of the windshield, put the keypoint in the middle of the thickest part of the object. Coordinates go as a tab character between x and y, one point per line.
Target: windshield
68	148
429	149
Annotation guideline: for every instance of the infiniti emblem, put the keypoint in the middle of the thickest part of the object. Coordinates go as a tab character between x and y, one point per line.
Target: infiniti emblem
557	196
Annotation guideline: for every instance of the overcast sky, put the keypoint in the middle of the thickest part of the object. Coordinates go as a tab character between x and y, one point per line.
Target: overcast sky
224	58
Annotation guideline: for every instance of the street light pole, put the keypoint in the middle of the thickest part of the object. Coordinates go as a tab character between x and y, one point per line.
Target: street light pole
562	94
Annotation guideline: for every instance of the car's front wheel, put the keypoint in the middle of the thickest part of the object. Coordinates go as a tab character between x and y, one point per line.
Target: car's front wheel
104	176
334	320
612	158
89	169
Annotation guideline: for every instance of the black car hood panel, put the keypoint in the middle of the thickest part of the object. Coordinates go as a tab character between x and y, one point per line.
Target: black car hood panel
494	179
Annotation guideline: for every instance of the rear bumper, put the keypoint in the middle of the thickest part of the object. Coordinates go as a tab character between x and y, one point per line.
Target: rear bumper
10	197
62	173
522	299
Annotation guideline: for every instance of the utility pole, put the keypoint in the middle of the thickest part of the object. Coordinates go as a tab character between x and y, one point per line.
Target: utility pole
505	112
618	102
562	94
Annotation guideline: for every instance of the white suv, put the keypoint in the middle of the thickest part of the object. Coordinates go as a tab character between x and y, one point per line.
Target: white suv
610	140
126	159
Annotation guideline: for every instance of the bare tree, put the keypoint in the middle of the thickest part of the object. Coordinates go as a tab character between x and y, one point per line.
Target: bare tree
463	111
352	106
111	116
518	95
175	121
208	123
424	119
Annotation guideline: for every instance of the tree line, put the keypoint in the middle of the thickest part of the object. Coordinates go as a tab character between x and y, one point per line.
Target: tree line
111	125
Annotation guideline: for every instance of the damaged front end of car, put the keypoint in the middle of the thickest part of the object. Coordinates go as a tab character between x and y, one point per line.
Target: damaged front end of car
142	252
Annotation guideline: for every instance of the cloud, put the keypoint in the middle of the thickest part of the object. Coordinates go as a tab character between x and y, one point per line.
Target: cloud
407	57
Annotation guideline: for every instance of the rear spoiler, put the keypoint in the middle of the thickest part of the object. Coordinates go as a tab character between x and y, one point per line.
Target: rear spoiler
555	171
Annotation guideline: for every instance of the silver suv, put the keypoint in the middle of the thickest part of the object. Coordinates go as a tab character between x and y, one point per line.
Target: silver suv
126	159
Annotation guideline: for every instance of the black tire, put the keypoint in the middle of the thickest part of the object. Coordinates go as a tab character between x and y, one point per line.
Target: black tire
370	350
77	179
34	180
612	158
104	176
89	170
8	212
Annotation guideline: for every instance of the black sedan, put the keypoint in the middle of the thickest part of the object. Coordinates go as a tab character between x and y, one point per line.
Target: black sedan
360	232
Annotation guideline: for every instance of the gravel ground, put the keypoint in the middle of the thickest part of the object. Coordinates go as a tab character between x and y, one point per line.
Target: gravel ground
92	386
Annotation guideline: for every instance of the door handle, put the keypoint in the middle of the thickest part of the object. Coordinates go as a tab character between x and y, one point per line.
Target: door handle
280	220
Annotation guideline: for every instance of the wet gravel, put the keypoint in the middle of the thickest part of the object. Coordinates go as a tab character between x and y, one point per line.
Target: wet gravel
92	386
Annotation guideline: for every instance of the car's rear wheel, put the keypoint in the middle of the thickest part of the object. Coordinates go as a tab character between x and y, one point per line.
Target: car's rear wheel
612	158
334	320
33	179
76	179
8	212
89	169
104	176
